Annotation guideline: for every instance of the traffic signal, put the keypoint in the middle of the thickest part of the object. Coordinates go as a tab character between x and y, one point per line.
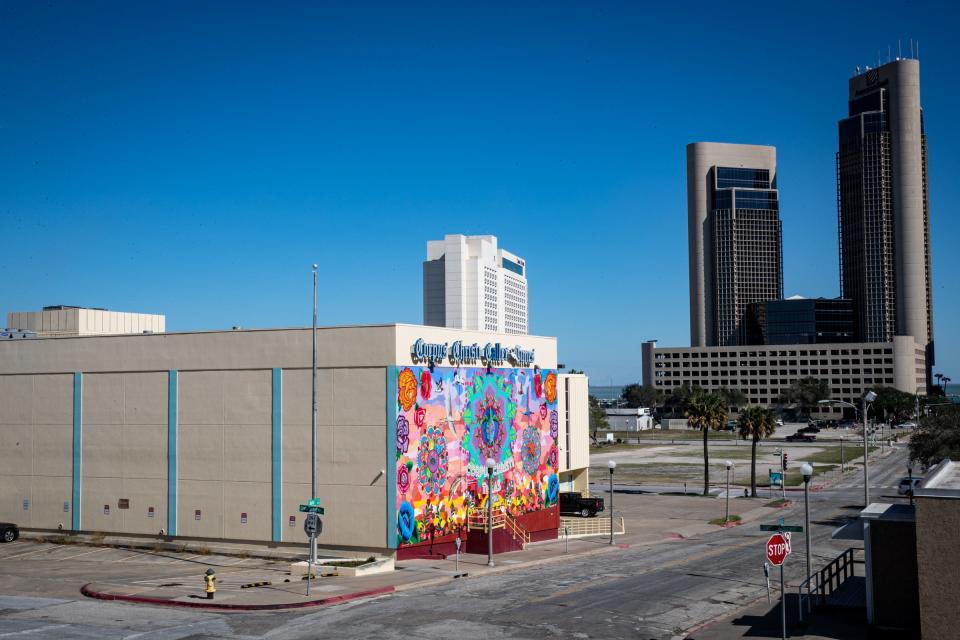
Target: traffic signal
784	461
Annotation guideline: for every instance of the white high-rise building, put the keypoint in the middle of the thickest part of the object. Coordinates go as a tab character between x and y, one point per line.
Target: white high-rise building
470	283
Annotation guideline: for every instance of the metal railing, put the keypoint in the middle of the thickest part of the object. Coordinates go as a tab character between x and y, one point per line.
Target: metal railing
828	580
477	521
592	526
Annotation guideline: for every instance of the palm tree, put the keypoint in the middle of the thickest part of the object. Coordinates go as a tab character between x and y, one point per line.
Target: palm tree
706	411
755	423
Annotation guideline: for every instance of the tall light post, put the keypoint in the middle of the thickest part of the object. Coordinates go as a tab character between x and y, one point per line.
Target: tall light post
611	465
490	465
726	518
313	416
807	470
867	399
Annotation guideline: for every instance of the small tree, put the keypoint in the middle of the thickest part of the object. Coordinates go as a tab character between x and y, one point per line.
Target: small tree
805	393
706	411
636	396
937	437
598	418
755	423
893	405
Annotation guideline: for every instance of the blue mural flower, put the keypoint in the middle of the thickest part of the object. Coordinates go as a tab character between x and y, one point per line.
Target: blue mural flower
553	488
406	522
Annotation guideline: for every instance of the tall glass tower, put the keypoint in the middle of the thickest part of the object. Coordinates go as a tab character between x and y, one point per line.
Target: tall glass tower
735	238
883	212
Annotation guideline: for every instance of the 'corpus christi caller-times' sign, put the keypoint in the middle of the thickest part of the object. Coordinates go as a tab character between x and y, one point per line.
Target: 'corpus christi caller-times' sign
459	353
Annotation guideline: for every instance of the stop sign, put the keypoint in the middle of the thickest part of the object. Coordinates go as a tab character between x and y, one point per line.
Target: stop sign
777	549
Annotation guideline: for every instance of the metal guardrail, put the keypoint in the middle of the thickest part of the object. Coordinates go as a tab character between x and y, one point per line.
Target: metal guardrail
592	526
829	579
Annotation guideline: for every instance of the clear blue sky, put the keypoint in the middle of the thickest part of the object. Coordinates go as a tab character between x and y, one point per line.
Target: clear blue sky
195	160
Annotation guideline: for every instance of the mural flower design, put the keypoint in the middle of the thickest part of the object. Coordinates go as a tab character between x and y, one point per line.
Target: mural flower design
403	434
489	431
426	384
406	522
552	456
403	478
553	488
538	384
432	461
550	387
420	416
543	412
530	450
407	388
554	425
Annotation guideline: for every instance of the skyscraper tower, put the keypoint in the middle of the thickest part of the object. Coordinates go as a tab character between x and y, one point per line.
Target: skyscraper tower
884	222
734	235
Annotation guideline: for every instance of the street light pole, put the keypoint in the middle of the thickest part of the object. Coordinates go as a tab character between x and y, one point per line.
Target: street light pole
490	465
313	417
807	470
868	397
611	465
726	518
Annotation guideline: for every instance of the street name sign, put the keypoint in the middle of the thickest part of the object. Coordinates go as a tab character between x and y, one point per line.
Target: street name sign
794	528
312	506
777	549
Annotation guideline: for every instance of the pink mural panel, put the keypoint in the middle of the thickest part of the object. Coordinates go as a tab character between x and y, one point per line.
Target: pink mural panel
449	422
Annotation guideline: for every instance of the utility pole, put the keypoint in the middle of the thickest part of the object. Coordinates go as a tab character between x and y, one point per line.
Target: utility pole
313	418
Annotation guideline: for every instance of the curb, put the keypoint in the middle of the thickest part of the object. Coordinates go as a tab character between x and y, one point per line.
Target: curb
99	595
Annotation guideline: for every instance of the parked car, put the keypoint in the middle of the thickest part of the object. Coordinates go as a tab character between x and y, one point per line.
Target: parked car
572	503
731	425
907	483
907	425
779	422
809	429
9	532
799	436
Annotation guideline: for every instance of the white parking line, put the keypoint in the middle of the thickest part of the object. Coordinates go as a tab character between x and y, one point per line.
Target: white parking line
27	553
38	629
84	553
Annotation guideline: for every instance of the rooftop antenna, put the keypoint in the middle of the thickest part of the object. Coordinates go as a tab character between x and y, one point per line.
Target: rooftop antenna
911	47
899	50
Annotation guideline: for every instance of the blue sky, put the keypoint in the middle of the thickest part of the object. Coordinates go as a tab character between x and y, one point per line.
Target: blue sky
194	159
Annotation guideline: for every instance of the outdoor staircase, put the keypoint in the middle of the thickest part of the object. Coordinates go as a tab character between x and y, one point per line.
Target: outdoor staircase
477	521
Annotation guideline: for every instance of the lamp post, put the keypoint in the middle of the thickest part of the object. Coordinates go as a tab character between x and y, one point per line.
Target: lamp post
611	465
313	417
726	518
807	470
867	399
490	465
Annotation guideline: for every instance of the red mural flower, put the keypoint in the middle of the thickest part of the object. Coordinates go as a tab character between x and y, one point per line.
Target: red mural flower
426	384
537	385
420	416
543	411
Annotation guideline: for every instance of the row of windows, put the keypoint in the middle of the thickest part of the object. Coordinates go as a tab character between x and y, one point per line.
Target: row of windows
713	364
771	353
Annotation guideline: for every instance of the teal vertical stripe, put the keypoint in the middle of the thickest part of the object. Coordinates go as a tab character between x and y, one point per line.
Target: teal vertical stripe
77	448
172	453
391	461
277	445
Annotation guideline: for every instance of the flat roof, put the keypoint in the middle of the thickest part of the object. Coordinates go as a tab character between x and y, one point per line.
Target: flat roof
943	481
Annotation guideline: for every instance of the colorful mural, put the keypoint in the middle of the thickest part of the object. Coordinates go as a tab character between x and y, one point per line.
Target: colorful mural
449	422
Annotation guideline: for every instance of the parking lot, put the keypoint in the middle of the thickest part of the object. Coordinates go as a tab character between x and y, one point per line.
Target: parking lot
33	568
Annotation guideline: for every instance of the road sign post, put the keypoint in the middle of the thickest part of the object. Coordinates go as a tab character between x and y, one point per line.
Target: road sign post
778	548
312	526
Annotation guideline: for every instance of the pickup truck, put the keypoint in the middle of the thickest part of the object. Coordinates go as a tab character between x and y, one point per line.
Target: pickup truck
572	503
799	436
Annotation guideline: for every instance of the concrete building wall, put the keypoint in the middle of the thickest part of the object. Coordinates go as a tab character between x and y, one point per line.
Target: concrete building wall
763	371
234	394
701	158
938	520
574	432
35	449
75	321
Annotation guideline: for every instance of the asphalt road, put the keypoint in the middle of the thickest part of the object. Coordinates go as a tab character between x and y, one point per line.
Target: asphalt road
639	592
